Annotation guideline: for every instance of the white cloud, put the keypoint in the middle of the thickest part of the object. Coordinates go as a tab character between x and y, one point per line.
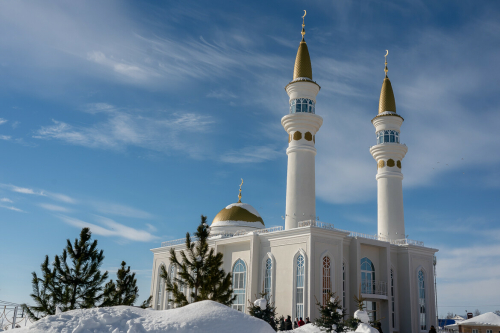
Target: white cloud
121	210
151	227
5	137
3	121
253	154
25	190
179	132
6	200
13	208
61	197
111	229
55	208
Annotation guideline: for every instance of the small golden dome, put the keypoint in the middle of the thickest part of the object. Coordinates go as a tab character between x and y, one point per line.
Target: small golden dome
387	101
238	213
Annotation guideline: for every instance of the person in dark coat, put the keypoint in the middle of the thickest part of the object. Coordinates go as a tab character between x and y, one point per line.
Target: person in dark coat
288	324
295	323
282	324
307	320
433	329
301	322
378	326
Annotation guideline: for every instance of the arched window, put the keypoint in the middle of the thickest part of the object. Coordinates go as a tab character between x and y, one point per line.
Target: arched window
393	303
299	287
327	279
160	290
171	275
367	276
344	305
421	300
239	283
268	278
302	105
388	136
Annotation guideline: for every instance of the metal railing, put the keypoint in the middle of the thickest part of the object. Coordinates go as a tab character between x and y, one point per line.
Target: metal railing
374	287
222	235
316	224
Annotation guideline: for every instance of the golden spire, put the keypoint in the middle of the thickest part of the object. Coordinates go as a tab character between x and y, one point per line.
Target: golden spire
239	195
302	66
387	101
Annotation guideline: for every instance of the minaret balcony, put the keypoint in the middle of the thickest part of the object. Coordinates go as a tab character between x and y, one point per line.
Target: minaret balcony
389	150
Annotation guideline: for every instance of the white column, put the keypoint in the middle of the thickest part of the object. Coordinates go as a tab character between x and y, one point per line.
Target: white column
301	128
389	177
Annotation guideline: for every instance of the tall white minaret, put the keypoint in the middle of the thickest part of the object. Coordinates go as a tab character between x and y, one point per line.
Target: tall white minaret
301	125
389	152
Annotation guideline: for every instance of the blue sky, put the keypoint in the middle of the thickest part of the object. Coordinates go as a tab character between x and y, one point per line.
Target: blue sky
138	117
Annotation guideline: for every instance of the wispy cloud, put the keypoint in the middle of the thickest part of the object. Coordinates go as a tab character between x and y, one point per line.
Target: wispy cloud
61	197
24	190
111	228
5	137
13	208
121	210
6	200
254	154
54	208
122	129
3	121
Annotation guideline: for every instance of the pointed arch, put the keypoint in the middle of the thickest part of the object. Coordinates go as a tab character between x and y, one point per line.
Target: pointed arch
160	288
422	298
169	296
269	275
300	265
239	284
327	264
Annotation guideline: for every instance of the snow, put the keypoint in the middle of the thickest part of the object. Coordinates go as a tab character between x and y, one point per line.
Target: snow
365	328
308	328
245	206
205	316
486	319
362	316
256	225
261	302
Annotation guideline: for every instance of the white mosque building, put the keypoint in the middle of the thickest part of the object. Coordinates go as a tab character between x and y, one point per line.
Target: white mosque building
307	259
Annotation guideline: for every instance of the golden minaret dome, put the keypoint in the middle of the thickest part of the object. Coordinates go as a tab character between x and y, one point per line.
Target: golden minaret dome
387	101
302	66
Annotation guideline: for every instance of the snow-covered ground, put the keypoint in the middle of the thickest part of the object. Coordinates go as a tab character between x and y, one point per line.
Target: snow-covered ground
205	316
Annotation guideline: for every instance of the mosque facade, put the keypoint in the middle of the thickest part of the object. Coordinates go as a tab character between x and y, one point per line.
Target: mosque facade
307	259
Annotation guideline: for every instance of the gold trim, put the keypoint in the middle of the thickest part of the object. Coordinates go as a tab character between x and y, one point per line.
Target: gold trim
387	101
398	163
390	163
289	138
380	164
236	213
297	136
308	136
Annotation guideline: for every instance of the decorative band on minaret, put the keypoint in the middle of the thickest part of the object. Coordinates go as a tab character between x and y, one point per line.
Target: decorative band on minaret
389	152
301	124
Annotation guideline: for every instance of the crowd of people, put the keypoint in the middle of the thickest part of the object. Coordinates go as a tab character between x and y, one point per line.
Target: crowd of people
288	325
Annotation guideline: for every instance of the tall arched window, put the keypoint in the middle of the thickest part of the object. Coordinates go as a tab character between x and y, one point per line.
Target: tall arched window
344	305
327	279
170	296
239	284
421	300
268	278
299	287
367	276
160	290
393	303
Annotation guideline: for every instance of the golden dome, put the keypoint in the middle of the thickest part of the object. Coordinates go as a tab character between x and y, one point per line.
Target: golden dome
387	101
238	214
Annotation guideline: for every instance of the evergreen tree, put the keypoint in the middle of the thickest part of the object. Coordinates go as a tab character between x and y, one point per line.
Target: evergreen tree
199	270
147	302
331	315
268	314
124	292
82	278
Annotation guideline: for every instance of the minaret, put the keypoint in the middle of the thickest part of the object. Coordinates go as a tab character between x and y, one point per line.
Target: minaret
389	152
301	125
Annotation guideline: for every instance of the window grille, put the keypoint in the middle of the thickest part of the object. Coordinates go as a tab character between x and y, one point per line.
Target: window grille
268	278
327	280
239	283
299	295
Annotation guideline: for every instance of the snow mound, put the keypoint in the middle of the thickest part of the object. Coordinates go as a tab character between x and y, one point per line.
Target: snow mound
362	316
365	328
261	303
308	328
205	316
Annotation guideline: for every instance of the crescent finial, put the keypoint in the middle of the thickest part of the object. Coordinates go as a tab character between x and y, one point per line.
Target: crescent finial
239	195
305	13
386	53
386	69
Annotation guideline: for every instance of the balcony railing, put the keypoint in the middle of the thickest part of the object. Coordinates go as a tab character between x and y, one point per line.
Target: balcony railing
317	224
374	287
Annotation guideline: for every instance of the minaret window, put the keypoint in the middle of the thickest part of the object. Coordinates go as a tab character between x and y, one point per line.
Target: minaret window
302	105
299	288
387	136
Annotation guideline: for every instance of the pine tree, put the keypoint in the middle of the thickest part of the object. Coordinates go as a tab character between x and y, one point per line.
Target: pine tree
268	314
124	292
331	315
199	270
82	278
147	302
69	286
